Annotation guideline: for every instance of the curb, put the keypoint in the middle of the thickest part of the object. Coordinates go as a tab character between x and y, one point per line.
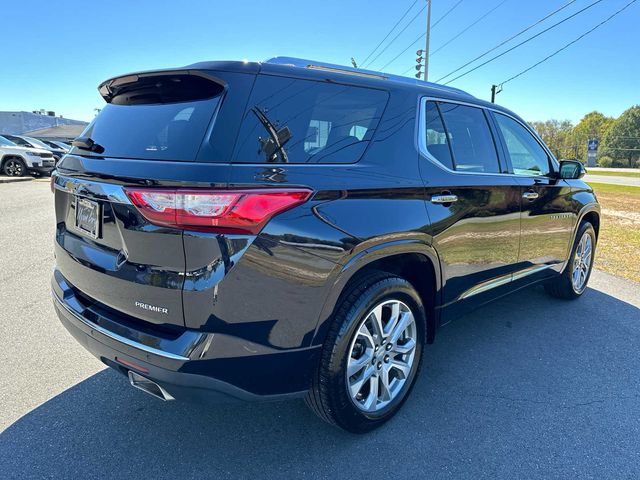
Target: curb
15	179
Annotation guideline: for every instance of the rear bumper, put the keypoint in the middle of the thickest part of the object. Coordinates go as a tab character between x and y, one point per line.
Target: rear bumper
190	365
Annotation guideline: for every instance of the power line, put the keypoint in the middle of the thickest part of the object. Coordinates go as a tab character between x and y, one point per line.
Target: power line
422	35
468	27
570	43
390	31
526	29
447	13
521	43
396	37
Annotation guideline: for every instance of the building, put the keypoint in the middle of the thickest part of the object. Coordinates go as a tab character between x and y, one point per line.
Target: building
26	123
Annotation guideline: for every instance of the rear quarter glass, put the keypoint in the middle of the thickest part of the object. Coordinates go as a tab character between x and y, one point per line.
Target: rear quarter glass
164	117
304	121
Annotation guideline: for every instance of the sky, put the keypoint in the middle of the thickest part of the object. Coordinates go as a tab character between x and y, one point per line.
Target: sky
56	53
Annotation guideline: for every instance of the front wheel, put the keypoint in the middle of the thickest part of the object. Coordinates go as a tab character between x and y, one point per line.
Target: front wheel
371	356
573	281
14	167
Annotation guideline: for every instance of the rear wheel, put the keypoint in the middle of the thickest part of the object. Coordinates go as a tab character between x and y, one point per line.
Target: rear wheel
573	281
14	167
371	356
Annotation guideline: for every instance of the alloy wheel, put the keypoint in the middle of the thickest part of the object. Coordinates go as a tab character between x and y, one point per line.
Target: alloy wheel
582	262
381	356
14	168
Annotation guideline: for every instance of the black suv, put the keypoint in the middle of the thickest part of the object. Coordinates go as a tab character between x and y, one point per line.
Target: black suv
293	228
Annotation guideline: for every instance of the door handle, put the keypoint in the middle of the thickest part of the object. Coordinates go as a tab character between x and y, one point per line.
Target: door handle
530	195
444	198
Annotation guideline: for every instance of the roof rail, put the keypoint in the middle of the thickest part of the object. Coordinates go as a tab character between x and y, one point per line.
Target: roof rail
330	67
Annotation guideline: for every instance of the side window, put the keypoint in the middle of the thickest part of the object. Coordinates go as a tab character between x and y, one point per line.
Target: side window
436	140
470	137
526	154
305	121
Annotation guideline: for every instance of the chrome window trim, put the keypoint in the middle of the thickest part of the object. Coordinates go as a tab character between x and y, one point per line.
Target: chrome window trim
422	137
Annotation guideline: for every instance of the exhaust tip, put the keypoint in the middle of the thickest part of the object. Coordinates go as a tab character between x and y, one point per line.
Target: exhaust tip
152	388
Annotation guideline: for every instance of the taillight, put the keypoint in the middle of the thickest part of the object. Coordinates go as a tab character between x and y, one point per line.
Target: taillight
232	211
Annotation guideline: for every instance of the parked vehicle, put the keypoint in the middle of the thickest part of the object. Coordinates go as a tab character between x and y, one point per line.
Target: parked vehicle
17	161
293	228
56	145
25	141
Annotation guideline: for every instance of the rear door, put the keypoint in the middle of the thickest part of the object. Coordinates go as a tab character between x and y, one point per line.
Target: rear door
147	135
546	218
473	207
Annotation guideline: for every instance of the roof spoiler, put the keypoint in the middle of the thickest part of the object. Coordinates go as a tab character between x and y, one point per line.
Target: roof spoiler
110	88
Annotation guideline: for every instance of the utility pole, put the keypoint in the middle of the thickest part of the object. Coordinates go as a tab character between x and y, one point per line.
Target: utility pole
494	92
426	44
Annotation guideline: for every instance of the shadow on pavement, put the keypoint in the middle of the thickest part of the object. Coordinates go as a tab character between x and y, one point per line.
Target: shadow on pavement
526	387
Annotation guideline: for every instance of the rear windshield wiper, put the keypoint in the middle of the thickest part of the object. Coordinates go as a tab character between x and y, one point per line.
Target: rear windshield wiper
86	143
273	146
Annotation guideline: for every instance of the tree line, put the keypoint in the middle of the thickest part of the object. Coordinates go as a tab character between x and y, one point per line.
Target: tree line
619	137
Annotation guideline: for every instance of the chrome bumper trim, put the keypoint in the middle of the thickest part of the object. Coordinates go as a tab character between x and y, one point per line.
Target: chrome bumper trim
115	336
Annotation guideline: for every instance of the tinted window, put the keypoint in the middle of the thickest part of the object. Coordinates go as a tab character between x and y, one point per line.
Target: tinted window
526	154
156	118
302	121
436	140
470	137
19	141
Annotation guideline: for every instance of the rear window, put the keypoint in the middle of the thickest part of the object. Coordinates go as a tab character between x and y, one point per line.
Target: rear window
162	117
304	121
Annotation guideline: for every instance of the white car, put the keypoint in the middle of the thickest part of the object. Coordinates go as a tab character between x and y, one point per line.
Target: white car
16	161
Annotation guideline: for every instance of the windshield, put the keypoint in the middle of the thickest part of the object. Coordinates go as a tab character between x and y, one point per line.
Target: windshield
36	143
7	143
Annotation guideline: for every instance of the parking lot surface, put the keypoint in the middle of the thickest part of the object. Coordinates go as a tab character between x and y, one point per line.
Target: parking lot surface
527	387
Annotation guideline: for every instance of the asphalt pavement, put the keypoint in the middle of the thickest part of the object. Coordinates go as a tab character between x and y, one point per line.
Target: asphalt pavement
612	179
527	387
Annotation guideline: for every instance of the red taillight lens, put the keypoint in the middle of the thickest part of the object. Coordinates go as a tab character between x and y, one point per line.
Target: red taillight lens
233	211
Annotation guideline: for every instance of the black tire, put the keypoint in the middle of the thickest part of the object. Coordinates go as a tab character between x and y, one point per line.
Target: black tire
329	397
14	167
563	285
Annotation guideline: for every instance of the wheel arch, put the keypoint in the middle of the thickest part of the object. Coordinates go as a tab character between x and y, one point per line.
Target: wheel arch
9	156
591	213
593	217
414	261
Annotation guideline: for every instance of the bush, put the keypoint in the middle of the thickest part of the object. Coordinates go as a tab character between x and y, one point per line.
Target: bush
608	162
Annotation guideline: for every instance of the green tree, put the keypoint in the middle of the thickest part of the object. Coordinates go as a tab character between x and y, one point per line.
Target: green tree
593	125
558	135
622	139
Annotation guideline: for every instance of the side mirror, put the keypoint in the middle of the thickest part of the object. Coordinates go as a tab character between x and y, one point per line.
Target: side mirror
571	170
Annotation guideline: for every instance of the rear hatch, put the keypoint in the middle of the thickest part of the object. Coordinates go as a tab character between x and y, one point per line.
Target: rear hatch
148	135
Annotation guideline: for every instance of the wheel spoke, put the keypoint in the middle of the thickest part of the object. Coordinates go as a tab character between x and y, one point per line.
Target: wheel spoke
357	364
357	385
393	319
364	333
405	348
405	320
372	399
384	392
401	367
376	320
